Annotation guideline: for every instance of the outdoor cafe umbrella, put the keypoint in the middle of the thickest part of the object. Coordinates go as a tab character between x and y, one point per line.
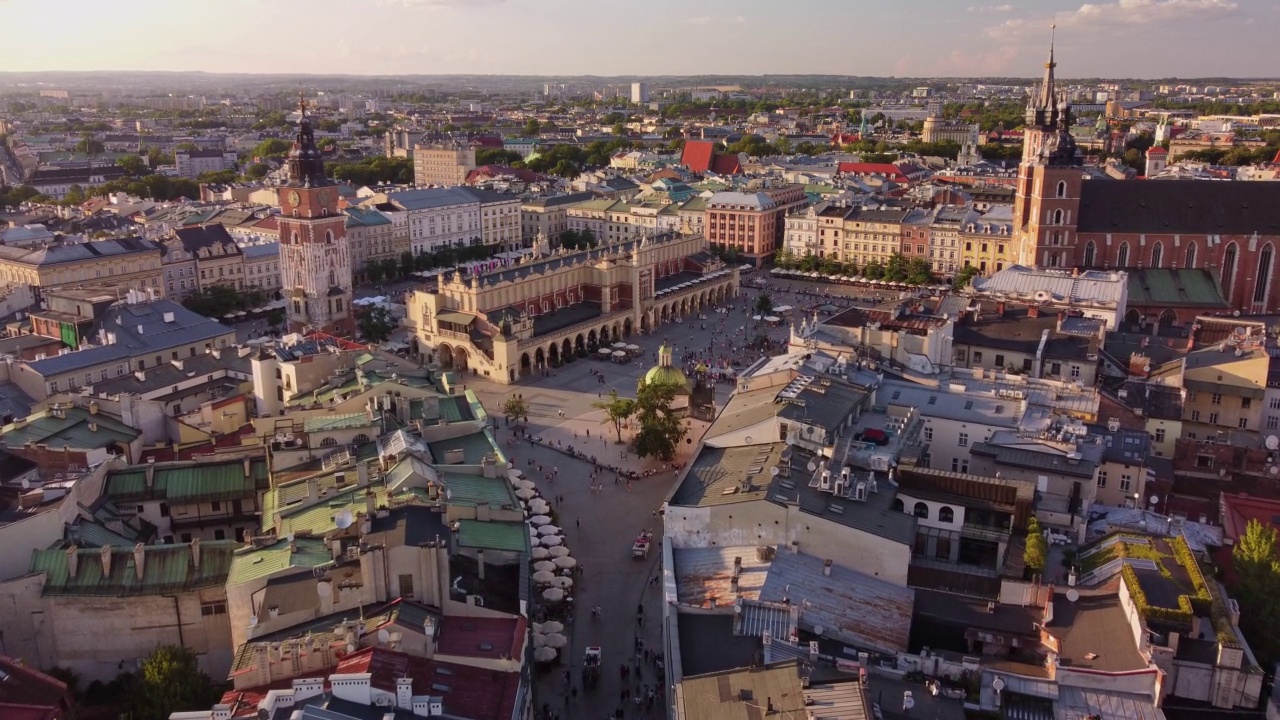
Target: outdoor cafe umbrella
514	474
544	654
539	506
563	561
619	345
562	582
555	640
524	485
539	553
546	565
526	493
543	576
603	351
755	317
548	530
539	520
772	318
553	594
633	348
550	540
560	551
552	626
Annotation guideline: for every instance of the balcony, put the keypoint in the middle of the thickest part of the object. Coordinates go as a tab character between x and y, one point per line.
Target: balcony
985	532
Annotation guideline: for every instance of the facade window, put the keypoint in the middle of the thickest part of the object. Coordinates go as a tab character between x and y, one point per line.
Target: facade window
1195	416
328	442
963	440
928	433
1122	256
1273	422
1075	371
921	510
1246	403
1216	399
1062	189
946	514
1213	418
406	585
999	361
1160	435
1126	483
1102	478
1274	403
1244	423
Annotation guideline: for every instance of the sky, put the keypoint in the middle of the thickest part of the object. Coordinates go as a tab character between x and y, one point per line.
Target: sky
913	38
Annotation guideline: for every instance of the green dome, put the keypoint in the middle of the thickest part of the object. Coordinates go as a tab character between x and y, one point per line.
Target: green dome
666	374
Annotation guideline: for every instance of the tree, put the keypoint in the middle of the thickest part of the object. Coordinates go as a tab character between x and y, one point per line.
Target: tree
170	681
619	130
133	165
374	271
90	146
531	127
963	277
272	148
1257	589
376	324
257	171
220	177
764	304
660	428
616	410
496	156
516	409
407	264
873	271
1036	554
919	272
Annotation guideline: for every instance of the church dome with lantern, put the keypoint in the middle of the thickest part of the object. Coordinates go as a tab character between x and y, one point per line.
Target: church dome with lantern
666	372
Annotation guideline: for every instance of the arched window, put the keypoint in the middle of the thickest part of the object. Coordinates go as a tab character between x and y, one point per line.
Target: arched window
1229	257
360	439
1090	251
1191	255
1057	217
328	442
333	279
1062	188
328	236
294	237
1157	255
1263	282
946	514
1122	255
898	506
921	510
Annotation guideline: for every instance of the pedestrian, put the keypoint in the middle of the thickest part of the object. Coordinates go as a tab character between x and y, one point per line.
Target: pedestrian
577	522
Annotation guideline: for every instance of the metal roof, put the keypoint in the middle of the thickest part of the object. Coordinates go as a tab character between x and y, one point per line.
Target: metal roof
717	474
73	431
166	569
326	423
473	490
251	564
188	482
56	254
474	447
507	536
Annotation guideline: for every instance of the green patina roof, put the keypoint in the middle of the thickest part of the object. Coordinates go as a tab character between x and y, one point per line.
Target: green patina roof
474	447
166	569
336	422
289	501
188	482
476	489
509	536
72	431
455	408
250	564
1160	286
668	374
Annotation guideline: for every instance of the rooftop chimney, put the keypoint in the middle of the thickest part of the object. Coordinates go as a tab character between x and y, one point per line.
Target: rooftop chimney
139	559
105	553
248	467
195	553
151	474
1033	311
1139	365
73	561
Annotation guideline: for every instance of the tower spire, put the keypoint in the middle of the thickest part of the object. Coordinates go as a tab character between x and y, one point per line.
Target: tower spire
1047	95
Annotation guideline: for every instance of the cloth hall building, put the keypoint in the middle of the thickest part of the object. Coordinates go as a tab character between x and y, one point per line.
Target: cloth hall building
512	321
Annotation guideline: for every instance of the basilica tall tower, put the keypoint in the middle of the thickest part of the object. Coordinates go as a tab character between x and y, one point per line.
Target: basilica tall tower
315	257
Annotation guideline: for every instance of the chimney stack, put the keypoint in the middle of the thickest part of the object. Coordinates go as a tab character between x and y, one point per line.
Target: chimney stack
248	466
105	553
826	568
195	553
151	475
1033	311
139	559
73	561
313	489
1139	365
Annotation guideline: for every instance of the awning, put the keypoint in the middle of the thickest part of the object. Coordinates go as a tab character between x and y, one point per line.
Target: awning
456	318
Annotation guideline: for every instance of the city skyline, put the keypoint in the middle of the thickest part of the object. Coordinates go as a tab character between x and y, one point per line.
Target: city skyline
921	38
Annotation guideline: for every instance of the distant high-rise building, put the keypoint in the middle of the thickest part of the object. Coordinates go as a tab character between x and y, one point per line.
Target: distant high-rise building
639	92
444	164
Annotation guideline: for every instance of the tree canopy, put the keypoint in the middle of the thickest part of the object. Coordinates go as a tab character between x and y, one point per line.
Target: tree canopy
616	411
1257	587
376	324
660	427
170	681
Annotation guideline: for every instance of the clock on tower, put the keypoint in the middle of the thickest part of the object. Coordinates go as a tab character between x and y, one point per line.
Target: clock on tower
315	258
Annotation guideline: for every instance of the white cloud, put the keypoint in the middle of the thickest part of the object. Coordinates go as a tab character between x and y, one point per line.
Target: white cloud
699	20
990	8
1127	12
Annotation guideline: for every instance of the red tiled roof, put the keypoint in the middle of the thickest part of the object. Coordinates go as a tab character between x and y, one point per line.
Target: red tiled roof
1157	151
490	171
244	703
504	638
888	169
471	692
726	165
698	155
488	141
1239	509
1276	159
30	692
268	224
10	711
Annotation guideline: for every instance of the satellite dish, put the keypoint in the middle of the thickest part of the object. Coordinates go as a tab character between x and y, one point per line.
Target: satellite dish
1274	469
1273	442
817	630
998	684
383	635
1153	499
1073	594
344	519
253	621
812	466
289	537
774	471
324	589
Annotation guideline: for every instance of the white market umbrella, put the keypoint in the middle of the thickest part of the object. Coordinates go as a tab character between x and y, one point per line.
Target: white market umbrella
544	565
772	318
548	530
539	639
543	576
564	561
559	551
553	594
619	345
552	626
524	485
550	540
539	520
555	640
563	583
633	348
603	351
619	353
514	474
533	533
755	317
526	493
539	553
545	654
539	506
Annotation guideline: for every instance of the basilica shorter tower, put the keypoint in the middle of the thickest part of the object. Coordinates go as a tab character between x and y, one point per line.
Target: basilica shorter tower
315	257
